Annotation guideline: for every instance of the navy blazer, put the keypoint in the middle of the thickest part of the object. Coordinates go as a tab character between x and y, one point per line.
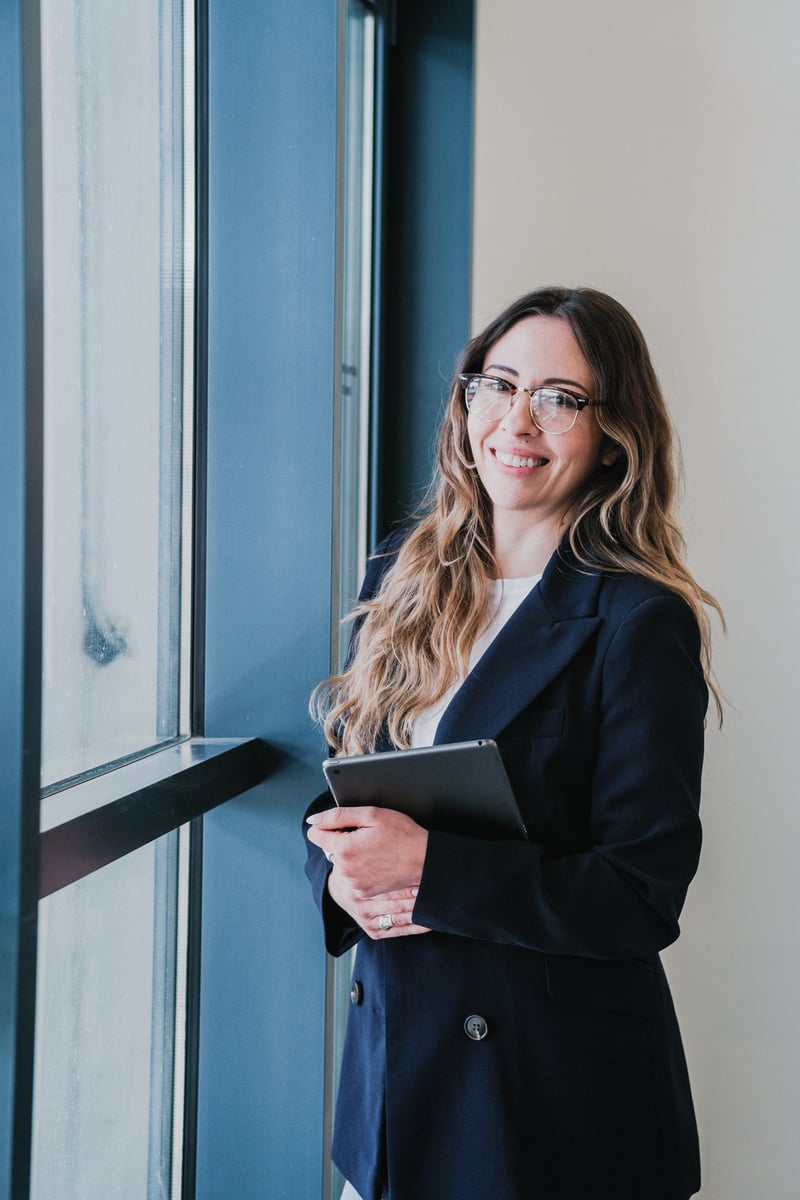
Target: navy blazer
578	1090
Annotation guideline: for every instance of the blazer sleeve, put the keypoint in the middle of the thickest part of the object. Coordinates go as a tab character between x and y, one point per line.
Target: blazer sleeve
621	896
341	931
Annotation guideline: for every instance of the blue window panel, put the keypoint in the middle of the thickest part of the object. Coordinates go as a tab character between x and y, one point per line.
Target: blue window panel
271	261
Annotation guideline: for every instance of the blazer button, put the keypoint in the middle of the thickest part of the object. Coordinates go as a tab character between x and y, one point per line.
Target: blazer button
476	1028
356	991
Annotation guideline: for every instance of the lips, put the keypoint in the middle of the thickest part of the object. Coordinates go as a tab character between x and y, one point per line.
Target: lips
519	460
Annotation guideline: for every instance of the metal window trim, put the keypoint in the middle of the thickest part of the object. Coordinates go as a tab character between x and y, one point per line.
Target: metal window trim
22	346
126	809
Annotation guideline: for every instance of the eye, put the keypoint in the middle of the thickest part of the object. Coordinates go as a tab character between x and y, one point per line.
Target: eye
490	384
556	399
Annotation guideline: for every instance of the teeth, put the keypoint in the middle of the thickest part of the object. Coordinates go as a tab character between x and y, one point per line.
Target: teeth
513	460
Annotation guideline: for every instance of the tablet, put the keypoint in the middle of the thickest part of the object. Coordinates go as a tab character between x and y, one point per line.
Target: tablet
458	788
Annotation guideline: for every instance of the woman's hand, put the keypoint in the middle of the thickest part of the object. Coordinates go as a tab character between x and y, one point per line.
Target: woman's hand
377	856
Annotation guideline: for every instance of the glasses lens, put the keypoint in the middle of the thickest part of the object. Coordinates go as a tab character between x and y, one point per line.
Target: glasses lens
553	411
487	398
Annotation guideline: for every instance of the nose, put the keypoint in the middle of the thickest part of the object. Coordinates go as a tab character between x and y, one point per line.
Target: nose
518	419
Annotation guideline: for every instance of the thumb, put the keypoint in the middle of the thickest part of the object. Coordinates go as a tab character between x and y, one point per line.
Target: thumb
338	818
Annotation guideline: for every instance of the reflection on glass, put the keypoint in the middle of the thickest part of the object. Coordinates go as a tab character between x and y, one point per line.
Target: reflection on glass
118	302
106	1048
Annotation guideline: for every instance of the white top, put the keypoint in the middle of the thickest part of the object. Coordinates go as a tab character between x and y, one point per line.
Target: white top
504	599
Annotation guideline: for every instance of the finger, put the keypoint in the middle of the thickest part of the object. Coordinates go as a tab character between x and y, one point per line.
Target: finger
326	839
331	842
395	901
410	930
390	915
400	927
342	818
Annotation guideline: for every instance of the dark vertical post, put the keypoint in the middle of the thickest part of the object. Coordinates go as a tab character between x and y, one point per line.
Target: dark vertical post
427	239
21	575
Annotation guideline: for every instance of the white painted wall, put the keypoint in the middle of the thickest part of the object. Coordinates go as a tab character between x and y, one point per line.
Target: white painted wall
651	150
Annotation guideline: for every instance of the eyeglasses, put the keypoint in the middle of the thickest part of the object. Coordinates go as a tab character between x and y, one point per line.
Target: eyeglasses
553	410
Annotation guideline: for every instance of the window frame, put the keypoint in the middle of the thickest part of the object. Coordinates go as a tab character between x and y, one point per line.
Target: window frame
21	347
118	810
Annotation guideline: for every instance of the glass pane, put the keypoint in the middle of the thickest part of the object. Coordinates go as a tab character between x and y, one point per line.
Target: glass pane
118	304
359	155
105	1083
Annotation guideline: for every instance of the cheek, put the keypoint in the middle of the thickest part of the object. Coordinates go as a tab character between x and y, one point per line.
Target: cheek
585	452
473	437
478	432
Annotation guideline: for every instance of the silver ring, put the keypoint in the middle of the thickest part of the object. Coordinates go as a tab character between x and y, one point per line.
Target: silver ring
386	921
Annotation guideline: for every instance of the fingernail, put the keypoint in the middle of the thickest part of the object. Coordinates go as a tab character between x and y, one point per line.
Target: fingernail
314	819
415	891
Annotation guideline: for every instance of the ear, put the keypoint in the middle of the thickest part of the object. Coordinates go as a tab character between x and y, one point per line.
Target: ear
611	452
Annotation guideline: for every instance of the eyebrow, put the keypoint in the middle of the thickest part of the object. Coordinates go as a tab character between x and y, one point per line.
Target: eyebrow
573	383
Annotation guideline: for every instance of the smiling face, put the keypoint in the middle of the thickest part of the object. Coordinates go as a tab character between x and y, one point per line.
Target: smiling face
532	477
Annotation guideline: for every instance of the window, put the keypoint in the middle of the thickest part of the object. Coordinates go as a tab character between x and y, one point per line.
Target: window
109	1022
118	208
118	258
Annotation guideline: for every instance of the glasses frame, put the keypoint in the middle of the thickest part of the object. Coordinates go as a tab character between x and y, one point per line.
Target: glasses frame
581	402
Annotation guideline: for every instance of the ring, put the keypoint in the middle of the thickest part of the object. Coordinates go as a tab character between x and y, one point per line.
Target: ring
386	921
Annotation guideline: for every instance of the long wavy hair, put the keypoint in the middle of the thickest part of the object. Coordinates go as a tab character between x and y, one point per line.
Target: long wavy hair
414	638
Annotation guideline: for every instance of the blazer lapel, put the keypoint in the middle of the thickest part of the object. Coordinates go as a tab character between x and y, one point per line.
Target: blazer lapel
543	635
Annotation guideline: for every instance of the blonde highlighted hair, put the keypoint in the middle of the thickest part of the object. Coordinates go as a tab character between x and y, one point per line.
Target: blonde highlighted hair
415	636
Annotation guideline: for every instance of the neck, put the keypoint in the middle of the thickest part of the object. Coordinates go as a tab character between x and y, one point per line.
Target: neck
523	548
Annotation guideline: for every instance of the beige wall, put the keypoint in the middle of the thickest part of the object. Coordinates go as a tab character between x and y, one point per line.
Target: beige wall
653	150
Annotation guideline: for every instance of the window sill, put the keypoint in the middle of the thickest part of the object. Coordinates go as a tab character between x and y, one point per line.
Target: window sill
116	813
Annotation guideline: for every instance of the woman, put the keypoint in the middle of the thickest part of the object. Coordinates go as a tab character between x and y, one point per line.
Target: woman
512	1033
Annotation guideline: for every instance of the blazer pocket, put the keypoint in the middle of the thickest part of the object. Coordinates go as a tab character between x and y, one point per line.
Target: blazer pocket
615	986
